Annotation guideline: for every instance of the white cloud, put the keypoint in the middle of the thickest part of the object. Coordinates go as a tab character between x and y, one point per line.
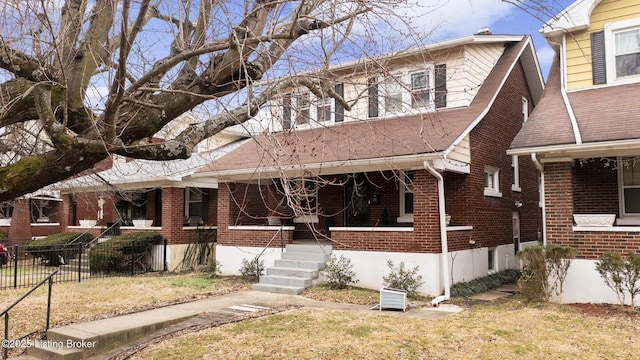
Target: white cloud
545	57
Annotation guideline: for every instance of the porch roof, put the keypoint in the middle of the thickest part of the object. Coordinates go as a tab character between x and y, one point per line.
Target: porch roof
137	174
607	121
370	145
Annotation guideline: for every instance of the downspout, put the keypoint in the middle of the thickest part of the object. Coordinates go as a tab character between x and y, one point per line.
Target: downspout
443	235
540	167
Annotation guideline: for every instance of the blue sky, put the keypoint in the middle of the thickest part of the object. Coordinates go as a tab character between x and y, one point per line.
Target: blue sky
453	18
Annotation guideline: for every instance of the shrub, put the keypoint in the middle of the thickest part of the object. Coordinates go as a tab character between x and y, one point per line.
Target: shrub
404	279
213	267
124	253
540	265
340	273
55	248
3	235
486	283
252	268
621	275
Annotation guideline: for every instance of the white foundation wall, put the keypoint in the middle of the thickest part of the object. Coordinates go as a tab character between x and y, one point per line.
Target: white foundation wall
371	266
584	285
230	257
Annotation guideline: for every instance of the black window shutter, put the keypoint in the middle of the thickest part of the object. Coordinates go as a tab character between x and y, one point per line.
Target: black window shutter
441	86
286	112
373	97
339	112
598	58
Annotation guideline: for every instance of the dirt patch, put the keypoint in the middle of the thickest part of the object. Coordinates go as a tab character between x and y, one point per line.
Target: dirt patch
607	310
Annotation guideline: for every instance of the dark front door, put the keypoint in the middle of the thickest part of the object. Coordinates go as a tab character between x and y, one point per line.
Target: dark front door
357	201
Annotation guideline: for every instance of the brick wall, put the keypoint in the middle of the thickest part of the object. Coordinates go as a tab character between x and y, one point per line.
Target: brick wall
256	238
560	181
173	216
20	229
491	217
595	188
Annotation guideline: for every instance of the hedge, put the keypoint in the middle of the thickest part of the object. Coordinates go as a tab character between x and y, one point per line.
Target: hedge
55	247
486	283
116	254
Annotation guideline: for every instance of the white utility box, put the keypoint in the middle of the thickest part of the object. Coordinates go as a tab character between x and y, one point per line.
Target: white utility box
393	299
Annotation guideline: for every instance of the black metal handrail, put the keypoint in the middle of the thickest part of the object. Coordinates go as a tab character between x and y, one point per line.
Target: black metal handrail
265	249
108	229
5	313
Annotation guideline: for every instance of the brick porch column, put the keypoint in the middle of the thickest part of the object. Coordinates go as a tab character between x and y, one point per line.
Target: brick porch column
66	213
173	215
558	200
20	229
426	220
225	204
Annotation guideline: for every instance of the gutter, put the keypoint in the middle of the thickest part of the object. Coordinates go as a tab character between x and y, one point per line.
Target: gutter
540	167
443	235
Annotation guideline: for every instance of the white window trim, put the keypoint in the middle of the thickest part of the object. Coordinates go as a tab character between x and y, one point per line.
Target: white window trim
495	191
404	78
403	188
515	185
525	109
313	111
516	235
609	36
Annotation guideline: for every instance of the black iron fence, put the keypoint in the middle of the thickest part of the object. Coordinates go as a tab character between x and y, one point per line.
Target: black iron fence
27	267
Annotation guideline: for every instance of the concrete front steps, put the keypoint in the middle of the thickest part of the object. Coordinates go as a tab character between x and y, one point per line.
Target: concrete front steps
297	269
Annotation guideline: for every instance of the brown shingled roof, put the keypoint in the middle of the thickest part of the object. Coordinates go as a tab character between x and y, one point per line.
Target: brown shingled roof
549	122
369	139
608	113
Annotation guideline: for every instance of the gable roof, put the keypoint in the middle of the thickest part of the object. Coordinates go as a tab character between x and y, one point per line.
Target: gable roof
372	144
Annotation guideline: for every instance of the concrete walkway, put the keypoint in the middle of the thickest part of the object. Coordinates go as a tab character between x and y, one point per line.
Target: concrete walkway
102	339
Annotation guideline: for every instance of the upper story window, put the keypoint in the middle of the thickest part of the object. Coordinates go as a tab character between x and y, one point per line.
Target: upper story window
525	109
409	92
420	90
304	108
615	52
627	52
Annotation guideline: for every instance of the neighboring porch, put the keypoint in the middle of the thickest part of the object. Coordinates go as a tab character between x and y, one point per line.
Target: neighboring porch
593	205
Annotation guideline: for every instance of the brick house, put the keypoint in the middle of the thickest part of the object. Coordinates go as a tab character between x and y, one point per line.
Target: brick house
124	195
585	136
411	167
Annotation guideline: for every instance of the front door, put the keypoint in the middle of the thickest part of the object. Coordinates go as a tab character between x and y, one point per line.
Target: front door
357	201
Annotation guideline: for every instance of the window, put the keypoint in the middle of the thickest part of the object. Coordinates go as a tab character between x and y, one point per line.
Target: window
491	182
41	210
302	104
491	260
420	97
392	96
323	109
630	185
6	209
515	174
617	52
627	52
406	198
195	208
516	231
525	109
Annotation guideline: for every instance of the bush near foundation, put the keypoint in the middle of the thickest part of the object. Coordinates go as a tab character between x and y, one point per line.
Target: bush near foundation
485	283
123	253
57	248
